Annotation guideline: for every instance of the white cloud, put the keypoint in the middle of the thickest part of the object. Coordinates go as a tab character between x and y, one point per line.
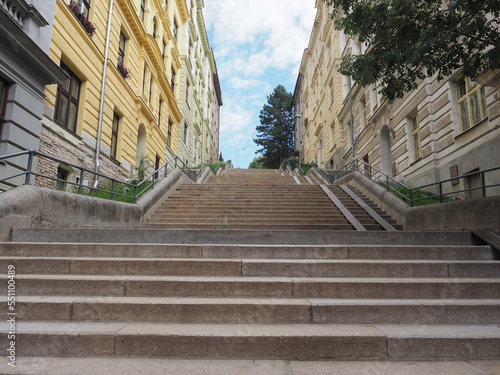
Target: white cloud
263	33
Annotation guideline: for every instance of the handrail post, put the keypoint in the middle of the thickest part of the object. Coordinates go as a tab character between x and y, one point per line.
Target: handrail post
80	185
112	189
28	168
440	192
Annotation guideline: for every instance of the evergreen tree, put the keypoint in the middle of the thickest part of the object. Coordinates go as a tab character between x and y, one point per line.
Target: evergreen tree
410	40
275	132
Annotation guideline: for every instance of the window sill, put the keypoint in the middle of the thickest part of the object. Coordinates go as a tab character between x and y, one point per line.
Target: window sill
416	161
115	161
471	128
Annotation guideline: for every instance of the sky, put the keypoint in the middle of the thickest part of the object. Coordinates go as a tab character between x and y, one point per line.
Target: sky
258	44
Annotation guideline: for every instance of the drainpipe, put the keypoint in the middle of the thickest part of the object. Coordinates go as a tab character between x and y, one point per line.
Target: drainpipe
103	89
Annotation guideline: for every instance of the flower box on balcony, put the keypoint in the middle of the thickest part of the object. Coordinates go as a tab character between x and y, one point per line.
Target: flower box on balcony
123	71
87	25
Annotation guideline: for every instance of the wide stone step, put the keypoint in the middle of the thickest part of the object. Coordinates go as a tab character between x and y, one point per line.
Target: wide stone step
259	310
276	226
144	250
287	341
262	219
251	237
227	286
249	267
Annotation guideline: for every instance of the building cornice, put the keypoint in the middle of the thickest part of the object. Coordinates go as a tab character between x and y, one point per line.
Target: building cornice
13	38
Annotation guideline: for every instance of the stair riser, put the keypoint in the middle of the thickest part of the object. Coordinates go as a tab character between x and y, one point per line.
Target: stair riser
331	227
291	347
248	252
299	288
201	346
249	268
232	312
412	313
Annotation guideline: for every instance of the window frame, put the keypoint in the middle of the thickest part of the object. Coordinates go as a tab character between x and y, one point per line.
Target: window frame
186	134
172	81
84	6
160	102
121	49
466	98
67	93
169	133
114	135
415	135
4	96
142	10
174	32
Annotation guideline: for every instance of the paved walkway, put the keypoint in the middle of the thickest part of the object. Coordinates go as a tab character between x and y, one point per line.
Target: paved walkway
135	366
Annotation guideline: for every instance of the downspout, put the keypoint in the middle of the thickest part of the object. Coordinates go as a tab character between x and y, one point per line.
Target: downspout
103	89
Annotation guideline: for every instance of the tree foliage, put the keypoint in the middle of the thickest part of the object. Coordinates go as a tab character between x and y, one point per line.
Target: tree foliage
409	40
275	132
257	163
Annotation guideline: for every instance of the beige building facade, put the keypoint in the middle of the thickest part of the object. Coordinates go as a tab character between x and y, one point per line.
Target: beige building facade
317	98
441	130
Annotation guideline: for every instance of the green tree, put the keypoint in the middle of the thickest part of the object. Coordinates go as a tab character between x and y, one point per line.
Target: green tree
220	157
257	163
275	132
409	40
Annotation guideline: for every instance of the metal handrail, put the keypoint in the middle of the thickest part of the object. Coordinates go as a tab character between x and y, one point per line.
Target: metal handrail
150	180
321	171
388	180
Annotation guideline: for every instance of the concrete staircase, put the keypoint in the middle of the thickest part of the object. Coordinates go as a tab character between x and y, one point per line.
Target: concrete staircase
253	293
260	199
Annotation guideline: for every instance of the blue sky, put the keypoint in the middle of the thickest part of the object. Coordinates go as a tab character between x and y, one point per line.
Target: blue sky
258	44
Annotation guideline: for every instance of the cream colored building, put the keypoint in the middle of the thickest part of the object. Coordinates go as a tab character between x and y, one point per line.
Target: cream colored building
317	97
196	86
139	109
441	130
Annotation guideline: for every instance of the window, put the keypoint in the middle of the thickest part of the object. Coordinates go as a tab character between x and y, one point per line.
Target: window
62	177
175	31
185	139
172	81
121	49
159	113
144	79
4	93
169	133
154	28
187	92
84	6
472	107
114	134
415	136
67	98
143	9
157	166
166	4
163	50
332	92
150	87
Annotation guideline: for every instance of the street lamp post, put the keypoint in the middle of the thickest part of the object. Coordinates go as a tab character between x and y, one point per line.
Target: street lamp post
241	149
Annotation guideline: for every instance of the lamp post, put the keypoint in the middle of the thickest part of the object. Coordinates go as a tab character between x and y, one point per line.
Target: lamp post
241	149
299	136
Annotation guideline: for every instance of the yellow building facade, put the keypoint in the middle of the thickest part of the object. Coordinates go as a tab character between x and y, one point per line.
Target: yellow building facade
123	86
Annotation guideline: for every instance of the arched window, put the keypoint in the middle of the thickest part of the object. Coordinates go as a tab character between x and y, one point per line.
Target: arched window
154	28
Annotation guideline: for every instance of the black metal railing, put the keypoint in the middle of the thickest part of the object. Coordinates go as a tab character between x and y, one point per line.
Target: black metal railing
125	191
440	196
